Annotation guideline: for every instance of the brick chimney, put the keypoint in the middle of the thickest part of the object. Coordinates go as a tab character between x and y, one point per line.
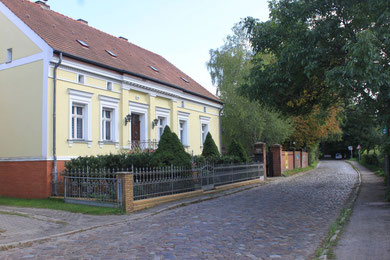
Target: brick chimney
43	4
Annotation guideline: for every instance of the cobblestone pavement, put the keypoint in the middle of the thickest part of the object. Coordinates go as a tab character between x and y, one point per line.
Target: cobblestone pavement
286	219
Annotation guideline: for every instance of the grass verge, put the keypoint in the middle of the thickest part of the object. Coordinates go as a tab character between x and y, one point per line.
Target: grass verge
299	170
58	204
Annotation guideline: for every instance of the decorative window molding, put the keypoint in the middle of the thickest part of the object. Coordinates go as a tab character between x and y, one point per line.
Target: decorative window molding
109	105
80	99
204	128
183	127
142	110
163	116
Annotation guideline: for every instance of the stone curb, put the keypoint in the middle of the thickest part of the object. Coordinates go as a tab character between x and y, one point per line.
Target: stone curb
184	202
348	207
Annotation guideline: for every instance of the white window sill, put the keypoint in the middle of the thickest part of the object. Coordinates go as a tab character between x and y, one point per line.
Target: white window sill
79	141
101	143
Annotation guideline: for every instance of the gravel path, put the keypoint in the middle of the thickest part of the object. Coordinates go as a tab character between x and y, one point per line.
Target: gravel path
286	219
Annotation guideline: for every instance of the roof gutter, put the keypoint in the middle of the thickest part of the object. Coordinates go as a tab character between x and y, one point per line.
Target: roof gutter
134	74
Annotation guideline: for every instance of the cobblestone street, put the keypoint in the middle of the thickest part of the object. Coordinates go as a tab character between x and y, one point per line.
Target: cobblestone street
286	219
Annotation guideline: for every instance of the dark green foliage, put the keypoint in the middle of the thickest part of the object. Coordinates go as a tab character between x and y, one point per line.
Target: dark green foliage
236	149
226	159
372	159
112	162
210	149
170	151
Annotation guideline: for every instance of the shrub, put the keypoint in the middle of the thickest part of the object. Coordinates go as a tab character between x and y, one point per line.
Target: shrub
371	159
227	159
236	149
210	149
112	162
170	151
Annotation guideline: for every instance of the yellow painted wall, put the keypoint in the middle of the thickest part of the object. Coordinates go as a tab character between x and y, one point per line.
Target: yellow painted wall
80	149
21	110
12	37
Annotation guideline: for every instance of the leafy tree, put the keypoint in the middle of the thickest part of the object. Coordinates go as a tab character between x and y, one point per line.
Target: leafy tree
243	120
170	151
210	149
325	52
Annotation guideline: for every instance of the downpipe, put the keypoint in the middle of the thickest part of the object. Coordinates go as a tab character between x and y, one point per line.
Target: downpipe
55	168
220	127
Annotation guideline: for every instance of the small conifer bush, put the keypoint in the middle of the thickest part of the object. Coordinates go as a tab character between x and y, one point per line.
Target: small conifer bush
210	149
170	151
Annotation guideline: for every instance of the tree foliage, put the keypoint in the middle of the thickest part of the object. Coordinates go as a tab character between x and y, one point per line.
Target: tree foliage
210	149
325	52
243	120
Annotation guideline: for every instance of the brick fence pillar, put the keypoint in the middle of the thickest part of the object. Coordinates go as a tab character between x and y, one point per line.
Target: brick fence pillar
127	190
277	159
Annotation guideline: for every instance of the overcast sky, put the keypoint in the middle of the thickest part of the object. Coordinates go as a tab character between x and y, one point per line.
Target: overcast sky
182	31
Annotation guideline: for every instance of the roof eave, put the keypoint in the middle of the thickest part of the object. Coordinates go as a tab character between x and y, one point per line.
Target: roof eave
134	74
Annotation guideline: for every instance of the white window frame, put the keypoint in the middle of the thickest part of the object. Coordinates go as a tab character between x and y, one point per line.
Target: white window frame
109	85
79	77
162	113
9	55
142	110
183	116
204	120
77	97
109	103
74	119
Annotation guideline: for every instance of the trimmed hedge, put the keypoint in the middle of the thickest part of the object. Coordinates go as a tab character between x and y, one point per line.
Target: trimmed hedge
210	149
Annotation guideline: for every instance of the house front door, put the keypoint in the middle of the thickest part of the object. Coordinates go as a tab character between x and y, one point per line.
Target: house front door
135	128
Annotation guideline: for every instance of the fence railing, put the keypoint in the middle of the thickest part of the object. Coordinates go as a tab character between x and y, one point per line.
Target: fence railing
154	182
143	145
94	188
104	188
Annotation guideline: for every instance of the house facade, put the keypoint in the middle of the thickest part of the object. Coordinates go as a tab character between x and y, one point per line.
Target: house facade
69	90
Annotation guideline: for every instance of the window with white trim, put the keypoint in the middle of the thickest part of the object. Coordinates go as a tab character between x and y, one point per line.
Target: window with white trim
162	122
81	78
183	119
9	55
79	117
109	85
204	128
109	128
78	121
107	124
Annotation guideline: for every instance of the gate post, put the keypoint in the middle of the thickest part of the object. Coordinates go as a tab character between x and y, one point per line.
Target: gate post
259	151
127	190
277	159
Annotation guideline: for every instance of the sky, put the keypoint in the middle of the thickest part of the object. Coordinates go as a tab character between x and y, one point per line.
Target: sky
182	31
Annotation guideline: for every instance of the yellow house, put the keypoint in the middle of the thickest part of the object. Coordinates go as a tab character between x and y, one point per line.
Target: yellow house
68	90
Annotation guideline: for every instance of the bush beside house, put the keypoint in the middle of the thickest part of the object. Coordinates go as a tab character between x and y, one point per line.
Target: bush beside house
210	149
236	149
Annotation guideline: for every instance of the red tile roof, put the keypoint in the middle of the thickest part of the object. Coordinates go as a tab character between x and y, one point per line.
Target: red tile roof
62	33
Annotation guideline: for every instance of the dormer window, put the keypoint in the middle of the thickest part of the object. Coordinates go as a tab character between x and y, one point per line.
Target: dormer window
9	55
185	80
109	85
153	68
81	79
111	53
84	44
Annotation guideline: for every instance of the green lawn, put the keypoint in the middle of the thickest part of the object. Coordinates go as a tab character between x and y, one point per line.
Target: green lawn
298	170
58	204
